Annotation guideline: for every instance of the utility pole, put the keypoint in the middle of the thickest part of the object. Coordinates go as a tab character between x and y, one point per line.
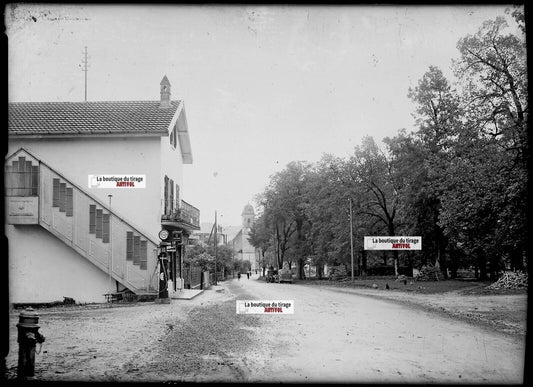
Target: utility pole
85	67
216	243
111	245
351	235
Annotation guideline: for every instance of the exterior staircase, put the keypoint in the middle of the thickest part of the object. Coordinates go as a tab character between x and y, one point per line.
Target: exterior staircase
81	221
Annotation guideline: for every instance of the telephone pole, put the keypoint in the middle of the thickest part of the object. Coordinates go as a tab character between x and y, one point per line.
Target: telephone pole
216	243
85	67
351	235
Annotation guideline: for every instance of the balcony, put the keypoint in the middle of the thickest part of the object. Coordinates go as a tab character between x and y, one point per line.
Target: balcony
185	216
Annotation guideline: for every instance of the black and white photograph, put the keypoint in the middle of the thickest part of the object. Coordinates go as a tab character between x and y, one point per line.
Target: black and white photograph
266	193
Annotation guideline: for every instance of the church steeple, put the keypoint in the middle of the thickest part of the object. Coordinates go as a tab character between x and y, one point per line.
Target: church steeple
165	92
248	216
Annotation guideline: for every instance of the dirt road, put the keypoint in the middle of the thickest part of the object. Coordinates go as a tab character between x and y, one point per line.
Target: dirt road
332	336
343	337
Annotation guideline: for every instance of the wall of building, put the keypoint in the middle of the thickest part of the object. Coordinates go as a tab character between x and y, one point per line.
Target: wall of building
77	159
41	267
247	251
46	270
172	166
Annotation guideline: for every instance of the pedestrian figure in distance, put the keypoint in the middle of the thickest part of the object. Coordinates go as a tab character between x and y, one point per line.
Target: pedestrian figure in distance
239	276
248	274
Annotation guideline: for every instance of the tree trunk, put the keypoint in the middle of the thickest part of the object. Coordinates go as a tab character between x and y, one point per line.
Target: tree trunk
453	264
301	270
482	266
517	262
395	262
363	262
441	254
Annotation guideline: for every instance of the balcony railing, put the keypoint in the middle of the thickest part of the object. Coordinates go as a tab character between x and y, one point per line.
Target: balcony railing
186	214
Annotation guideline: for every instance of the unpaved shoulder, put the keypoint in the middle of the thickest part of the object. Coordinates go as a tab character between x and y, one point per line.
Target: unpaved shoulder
505	314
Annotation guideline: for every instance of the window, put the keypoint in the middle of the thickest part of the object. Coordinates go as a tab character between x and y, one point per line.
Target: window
173	137
21	178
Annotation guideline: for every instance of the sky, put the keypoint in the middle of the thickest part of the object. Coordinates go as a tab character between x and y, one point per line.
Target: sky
262	85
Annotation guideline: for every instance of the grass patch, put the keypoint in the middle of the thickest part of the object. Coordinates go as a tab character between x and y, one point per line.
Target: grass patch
422	287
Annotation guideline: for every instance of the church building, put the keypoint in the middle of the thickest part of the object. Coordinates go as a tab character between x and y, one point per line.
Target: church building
240	244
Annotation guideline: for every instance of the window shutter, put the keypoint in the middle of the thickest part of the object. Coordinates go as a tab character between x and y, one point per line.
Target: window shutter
62	197
171	185
35	180
129	245
165	211
55	193
21	176
92	219
144	255
99	223
70	203
27	178
105	234
136	249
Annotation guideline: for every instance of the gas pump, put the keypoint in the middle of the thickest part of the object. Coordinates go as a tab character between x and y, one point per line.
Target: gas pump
163	272
163	261
176	243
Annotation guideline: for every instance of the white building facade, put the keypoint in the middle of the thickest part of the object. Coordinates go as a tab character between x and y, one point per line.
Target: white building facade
241	246
70	238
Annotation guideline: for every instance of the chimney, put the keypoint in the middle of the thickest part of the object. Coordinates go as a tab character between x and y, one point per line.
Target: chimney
165	92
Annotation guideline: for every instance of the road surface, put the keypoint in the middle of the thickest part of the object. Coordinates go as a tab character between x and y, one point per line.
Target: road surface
333	336
340	337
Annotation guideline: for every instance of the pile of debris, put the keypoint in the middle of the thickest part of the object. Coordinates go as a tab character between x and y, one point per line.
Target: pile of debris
510	280
338	273
429	273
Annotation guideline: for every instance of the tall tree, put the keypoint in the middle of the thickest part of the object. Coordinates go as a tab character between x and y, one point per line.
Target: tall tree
427	154
284	213
327	199
261	238
493	157
371	177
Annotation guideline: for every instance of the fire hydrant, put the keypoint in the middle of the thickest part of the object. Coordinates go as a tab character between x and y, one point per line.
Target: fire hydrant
28	337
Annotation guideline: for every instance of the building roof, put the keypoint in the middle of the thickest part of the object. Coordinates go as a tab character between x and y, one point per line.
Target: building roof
75	118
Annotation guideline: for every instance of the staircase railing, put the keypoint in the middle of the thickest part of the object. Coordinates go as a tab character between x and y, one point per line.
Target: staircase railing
97	232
